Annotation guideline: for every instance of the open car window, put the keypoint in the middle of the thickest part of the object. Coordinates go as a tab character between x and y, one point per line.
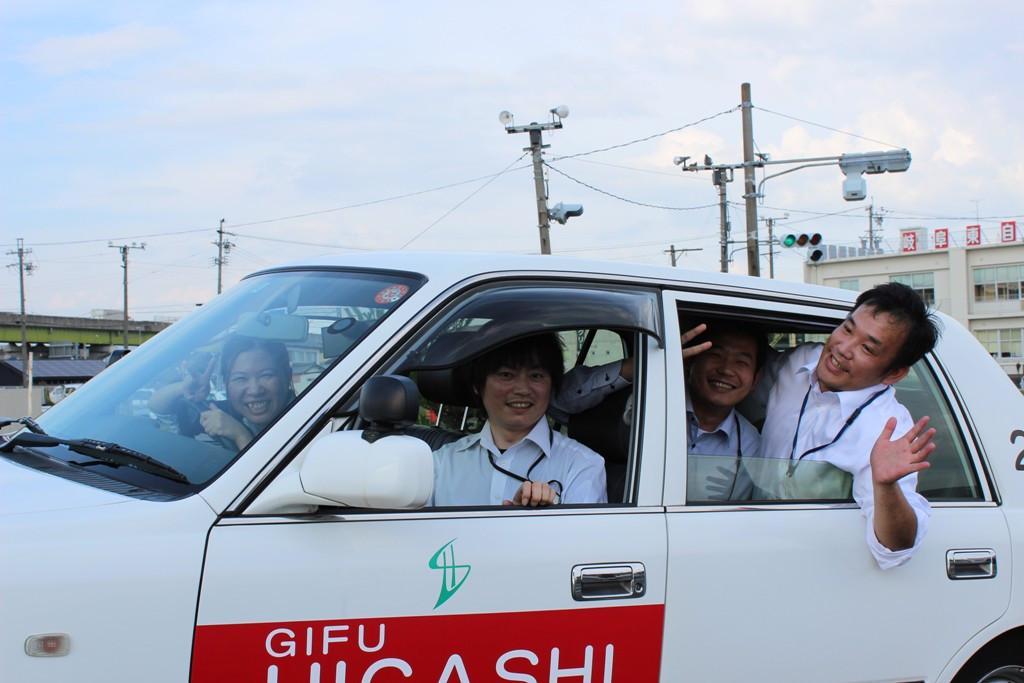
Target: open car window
597	326
739	477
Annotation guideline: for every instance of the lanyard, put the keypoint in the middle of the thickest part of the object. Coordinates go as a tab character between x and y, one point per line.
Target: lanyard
558	491
736	423
842	430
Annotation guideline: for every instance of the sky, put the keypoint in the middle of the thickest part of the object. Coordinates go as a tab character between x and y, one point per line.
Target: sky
317	127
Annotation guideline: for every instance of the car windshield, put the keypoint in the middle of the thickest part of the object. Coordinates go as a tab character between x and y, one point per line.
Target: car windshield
201	391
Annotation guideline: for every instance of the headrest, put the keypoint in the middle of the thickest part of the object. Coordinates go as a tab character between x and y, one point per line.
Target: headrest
451	385
388	402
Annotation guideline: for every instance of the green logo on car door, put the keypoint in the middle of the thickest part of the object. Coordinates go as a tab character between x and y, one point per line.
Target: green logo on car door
452	575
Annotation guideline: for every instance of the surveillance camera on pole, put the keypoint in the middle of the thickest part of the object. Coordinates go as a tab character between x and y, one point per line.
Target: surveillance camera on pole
536	148
560	212
854	166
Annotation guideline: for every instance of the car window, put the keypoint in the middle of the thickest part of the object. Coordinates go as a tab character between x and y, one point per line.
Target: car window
951	476
597	327
735	476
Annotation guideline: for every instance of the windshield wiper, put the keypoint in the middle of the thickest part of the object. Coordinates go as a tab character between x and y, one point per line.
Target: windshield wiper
111	453
32	425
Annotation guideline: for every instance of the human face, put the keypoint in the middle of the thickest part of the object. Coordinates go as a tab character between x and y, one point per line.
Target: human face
515	400
860	352
723	375
255	388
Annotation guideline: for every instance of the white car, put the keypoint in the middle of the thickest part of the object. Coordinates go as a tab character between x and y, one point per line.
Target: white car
134	549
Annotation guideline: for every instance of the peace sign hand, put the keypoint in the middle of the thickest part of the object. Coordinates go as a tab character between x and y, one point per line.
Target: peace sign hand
686	337
196	388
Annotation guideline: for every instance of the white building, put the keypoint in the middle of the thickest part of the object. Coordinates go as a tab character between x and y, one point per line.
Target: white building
979	283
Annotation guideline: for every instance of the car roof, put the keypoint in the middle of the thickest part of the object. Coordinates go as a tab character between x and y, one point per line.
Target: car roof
451	267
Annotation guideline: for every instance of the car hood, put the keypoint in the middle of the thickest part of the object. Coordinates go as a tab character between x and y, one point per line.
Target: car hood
27	491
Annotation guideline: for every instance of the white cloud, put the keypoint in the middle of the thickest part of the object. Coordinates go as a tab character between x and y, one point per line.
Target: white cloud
64	55
957	148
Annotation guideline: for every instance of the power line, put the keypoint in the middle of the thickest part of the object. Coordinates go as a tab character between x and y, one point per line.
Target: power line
624	199
834	130
633	168
374	201
115	239
649	137
471	195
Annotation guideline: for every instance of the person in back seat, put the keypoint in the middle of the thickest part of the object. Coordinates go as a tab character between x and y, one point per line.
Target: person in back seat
717	381
516	459
723	365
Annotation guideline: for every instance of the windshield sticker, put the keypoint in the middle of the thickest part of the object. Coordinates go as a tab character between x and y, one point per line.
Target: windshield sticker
452	575
390	295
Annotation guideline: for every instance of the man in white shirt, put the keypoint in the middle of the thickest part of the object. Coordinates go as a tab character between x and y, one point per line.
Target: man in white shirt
836	402
516	459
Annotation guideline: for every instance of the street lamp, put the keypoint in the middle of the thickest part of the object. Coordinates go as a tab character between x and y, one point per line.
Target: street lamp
854	166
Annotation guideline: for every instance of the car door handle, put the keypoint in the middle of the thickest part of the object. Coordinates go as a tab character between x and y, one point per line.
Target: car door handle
609	581
976	563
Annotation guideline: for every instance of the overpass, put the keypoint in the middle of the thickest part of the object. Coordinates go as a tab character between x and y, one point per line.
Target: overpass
48	329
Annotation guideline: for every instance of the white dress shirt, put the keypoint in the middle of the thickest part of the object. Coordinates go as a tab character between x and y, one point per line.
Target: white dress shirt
821	420
463	474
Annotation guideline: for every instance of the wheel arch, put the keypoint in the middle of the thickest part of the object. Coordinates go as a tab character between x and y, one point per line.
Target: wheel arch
1006	648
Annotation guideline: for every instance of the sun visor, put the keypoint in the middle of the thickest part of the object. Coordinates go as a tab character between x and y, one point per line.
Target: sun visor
275	326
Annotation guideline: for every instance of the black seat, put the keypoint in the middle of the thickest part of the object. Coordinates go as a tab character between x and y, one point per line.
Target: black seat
603	430
448	386
435	437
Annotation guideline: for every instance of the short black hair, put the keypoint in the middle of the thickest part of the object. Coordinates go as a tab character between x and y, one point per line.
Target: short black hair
745	329
909	310
236	345
545	350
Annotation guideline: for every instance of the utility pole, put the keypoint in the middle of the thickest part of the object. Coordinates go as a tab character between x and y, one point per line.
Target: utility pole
853	165
874	237
673	251
750	183
543	220
223	247
536	150
770	222
23	267
719	177
123	248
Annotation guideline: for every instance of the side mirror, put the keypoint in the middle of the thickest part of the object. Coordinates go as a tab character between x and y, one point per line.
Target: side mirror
378	467
394	472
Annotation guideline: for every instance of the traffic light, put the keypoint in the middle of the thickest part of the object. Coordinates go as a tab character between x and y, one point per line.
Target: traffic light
802	240
815	249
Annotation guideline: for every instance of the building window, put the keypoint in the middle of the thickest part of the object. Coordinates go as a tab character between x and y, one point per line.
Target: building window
922	283
1004	343
852	285
1001	283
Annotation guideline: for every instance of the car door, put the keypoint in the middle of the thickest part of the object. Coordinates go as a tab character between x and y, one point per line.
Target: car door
789	591
450	594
